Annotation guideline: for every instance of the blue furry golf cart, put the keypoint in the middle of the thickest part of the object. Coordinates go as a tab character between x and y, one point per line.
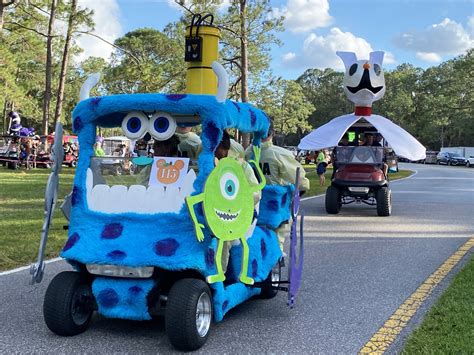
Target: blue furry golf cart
145	249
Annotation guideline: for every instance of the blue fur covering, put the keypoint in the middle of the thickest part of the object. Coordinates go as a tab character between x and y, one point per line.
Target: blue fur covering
122	298
275	205
163	240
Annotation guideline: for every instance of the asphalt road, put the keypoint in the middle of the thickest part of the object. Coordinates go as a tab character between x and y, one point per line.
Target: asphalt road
358	269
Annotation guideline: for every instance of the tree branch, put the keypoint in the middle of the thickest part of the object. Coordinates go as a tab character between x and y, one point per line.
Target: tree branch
112	44
27	28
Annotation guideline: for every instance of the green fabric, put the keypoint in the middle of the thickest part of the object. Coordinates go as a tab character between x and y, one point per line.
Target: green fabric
99	152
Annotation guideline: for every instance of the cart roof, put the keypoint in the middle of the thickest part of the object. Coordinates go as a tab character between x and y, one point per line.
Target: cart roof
329	135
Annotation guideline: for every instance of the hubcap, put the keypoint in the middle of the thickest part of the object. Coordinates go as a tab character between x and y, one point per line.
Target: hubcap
203	314
81	304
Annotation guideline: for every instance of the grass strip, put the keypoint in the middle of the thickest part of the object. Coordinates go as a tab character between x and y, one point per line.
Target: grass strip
448	328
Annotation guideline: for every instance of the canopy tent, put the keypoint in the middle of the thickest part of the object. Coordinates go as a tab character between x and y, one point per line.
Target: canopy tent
329	135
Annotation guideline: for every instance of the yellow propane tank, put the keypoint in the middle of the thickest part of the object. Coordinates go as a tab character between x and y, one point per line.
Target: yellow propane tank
200	78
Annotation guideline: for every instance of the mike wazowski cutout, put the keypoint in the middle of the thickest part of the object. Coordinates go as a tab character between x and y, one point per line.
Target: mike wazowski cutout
228	207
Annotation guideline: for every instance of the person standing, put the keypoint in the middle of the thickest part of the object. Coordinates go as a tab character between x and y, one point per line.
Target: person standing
322	162
279	168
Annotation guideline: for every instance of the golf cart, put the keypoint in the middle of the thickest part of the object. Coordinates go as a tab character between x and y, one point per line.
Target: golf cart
157	249
361	172
115	161
359	177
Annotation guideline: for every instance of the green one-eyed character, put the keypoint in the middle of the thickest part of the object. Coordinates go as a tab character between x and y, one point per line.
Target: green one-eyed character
228	206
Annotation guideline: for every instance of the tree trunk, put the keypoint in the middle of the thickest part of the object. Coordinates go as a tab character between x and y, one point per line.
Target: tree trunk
64	64
49	65
244	93
3	6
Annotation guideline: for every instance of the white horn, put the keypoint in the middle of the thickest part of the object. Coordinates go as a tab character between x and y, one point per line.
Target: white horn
86	88
222	81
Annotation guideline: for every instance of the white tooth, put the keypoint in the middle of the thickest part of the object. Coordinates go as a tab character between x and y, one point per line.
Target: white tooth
155	195
136	199
171	199
99	197
89	186
117	199
187	187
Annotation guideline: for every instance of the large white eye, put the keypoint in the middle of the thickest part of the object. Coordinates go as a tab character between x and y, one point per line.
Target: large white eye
135	125
162	126
229	186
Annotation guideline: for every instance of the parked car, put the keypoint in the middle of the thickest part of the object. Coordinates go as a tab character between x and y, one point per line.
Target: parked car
450	159
470	161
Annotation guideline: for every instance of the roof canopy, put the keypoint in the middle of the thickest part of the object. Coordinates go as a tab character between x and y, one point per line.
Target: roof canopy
329	135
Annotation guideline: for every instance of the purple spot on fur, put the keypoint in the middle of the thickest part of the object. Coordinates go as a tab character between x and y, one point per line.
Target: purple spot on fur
112	231
213	134
95	101
267	232
166	247
272	205
263	247
236	105
253	117
77	124
135	290
72	240
108	298
210	257
117	255
254	268
75	197
283	200
176	97
225	304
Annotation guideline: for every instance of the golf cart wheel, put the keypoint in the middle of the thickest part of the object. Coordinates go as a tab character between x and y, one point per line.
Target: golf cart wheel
68	303
272	279
188	314
333	200
384	201
73	164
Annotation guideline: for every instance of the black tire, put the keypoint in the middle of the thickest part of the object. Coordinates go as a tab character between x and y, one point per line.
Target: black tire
73	164
267	289
68	303
384	201
182	319
333	200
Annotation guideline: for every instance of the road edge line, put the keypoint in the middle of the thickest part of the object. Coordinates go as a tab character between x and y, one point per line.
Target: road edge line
23	268
388	333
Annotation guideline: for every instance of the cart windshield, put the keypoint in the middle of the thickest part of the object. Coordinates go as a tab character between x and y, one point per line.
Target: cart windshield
359	155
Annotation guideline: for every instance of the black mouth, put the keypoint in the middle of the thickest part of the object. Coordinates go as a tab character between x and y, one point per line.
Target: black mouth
226	216
364	84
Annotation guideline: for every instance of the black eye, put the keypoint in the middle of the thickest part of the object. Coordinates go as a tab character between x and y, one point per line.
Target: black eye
377	69
353	69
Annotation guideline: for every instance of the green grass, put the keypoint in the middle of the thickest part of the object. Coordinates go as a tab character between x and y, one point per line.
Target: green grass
21	211
448	328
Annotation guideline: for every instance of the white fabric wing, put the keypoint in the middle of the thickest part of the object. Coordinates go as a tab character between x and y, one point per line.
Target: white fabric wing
402	142
328	135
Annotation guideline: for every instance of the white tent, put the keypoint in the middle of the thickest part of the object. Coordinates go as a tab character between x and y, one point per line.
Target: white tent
329	135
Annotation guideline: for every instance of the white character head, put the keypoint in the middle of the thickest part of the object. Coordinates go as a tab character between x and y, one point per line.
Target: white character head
363	82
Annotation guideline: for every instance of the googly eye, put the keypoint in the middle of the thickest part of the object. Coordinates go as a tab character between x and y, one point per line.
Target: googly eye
229	186
162	126
135	125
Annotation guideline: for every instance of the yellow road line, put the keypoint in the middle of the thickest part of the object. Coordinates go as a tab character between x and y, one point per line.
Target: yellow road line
387	334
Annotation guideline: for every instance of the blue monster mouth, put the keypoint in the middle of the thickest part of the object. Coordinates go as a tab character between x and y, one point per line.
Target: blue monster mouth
226	217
